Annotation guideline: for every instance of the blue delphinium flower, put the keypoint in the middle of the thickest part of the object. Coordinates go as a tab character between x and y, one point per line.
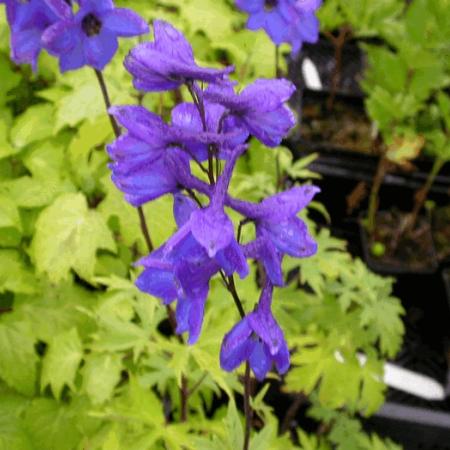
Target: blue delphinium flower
89	36
203	245
142	157
260	108
28	20
154	158
258	339
279	231
167	62
289	21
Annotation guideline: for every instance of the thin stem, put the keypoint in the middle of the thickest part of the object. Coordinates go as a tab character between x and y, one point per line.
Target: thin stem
117	132
231	287
197	384
184	394
373	201
277	62
338	43
101	82
422	193
198	102
194	197
247	407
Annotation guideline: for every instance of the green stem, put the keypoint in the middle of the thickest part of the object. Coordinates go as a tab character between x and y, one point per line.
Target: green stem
373	201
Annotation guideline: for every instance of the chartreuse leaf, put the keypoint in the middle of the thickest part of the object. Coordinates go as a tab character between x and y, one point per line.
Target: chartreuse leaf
57	309
68	235
34	124
17	356
235	430
52	425
6	148
60	364
13	435
15	276
87	153
10	78
101	373
10	222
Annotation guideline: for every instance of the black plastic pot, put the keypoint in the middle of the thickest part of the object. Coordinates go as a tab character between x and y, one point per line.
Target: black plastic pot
385	268
446	278
322	55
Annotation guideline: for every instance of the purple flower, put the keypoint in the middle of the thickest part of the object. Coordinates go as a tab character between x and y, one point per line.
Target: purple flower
182	274
279	231
168	62
290	21
149	157
260	108
89	36
258	339
28	20
182	268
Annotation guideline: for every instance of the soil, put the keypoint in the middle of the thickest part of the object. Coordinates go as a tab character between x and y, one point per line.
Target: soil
345	127
441	232
410	252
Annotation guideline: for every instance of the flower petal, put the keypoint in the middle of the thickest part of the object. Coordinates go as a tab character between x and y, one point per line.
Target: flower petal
212	229
260	361
124	22
291	236
237	346
100	49
183	207
159	283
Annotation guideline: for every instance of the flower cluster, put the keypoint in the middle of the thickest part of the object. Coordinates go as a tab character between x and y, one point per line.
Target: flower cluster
290	21
153	158
85	37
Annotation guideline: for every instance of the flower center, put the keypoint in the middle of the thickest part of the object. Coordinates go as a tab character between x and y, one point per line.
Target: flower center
270	4
91	25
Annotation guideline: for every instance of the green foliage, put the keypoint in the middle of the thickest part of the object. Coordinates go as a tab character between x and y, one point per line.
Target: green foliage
85	359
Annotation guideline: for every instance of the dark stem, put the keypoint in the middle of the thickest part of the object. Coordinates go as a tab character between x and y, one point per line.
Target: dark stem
247	407
242	223
117	132
194	197
277	62
338	43
299	400
422	193
197	384
184	394
231	287
198	102
101	82
184	391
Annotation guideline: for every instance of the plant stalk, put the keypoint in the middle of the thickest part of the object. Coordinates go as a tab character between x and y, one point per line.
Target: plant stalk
277	62
247	407
422	193
373	201
184	391
117	132
338	44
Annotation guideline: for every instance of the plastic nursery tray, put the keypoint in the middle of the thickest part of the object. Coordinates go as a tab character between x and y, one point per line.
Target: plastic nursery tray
415	428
